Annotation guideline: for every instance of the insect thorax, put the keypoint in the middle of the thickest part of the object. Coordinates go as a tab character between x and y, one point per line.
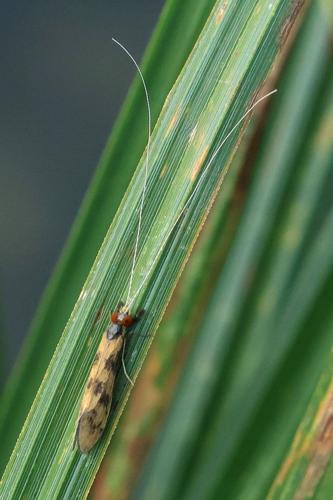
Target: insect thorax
113	331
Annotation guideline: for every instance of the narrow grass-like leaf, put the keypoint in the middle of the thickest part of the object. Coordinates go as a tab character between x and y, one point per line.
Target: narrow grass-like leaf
296	360
296	367
304	467
322	480
205	425
300	352
225	69
151	395
179	25
256	359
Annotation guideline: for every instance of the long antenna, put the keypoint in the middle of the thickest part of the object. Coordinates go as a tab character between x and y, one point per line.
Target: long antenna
218	149
146	166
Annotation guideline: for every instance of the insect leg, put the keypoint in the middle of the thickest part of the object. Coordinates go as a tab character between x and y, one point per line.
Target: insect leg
124	366
139	315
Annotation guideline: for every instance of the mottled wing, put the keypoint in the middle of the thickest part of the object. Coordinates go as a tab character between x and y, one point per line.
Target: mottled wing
97	397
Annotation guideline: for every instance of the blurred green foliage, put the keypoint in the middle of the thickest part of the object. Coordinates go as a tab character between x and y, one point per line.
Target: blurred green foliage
253	311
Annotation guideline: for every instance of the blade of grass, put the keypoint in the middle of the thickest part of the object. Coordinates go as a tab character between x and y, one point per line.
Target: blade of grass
151	395
186	435
273	425
262	344
253	362
268	436
172	45
324	486
228	484
233	55
308	459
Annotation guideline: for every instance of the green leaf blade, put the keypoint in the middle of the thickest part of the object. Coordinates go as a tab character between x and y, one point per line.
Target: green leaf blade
43	462
100	204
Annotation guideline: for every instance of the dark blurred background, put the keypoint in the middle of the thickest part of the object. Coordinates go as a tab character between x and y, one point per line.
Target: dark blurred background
61	86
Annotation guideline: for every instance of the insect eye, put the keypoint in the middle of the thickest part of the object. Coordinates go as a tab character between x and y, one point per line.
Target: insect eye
114	317
128	320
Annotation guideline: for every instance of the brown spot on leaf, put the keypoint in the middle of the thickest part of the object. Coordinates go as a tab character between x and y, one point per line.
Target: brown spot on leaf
172	122
220	13
164	170
98	315
199	164
313	446
290	20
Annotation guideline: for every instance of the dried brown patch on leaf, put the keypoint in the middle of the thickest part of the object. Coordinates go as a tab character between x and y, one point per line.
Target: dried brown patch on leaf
289	22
